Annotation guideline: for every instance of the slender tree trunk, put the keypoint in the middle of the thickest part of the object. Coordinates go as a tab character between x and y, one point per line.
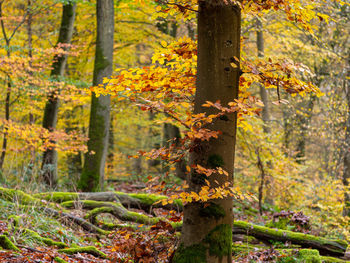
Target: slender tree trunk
49	163
346	173
304	120
170	131
263	92
92	177
264	180
172	135
207	227
8	92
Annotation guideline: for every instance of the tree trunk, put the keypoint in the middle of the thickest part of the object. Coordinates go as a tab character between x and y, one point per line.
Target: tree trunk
346	172
304	120
263	92
172	135
207	227
8	92
92	177
49	163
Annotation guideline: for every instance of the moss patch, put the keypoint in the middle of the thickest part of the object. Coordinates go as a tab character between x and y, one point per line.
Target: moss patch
6	243
60	260
212	211
309	256
46	241
57	197
191	254
147	199
220	241
215	160
19	196
333	260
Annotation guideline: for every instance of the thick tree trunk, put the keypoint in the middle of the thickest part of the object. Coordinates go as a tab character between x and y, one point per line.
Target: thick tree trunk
49	163
92	177
206	233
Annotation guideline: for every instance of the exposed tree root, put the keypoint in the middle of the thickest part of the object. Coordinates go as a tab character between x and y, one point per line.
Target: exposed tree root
60	260
130	200
324	245
115	203
46	241
6	243
90	250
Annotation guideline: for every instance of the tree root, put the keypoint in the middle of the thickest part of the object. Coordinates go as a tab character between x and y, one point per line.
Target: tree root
130	200
324	245
90	250
6	243
60	260
46	241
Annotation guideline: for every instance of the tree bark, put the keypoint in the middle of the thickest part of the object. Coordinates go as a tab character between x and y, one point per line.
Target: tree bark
346	172
172	135
263	92
92	177
207	237
49	162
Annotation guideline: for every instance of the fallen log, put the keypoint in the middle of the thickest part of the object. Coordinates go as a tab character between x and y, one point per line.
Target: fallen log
325	246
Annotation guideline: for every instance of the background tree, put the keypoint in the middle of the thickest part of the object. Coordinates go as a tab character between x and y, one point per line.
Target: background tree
49	162
92	176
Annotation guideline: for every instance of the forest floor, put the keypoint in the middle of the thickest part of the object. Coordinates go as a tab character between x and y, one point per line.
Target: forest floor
123	226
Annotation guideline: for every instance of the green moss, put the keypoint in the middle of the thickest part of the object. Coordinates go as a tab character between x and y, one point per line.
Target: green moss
60	260
220	241
57	197
89	181
245	248
6	243
12	195
91	215
46	241
14	222
191	254
100	62
147	199
215	160
89	250
332	260
212	211
309	256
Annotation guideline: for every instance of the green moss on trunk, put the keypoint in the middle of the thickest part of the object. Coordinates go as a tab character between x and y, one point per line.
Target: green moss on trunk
219	241
191	254
212	211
